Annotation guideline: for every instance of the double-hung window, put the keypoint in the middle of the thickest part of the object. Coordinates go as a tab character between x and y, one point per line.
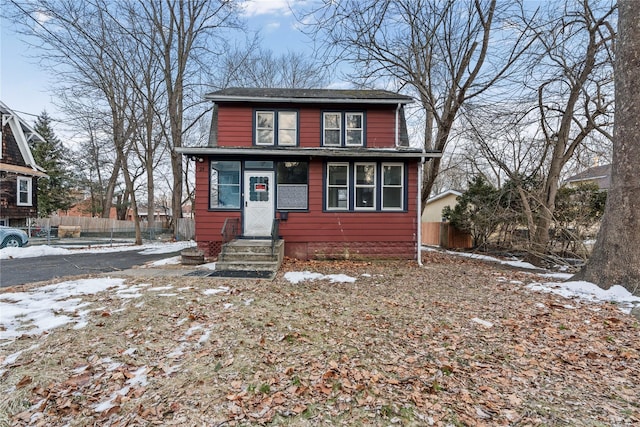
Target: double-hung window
365	186
276	128
354	129
337	186
392	186
24	195
343	129
224	185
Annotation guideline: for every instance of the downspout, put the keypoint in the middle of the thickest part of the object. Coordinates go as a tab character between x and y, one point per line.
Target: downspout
419	210
397	135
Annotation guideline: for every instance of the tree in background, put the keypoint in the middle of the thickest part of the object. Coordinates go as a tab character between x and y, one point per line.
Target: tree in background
446	54
616	258
477	211
54	193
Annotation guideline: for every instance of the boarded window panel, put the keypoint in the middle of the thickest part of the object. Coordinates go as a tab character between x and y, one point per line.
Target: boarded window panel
293	196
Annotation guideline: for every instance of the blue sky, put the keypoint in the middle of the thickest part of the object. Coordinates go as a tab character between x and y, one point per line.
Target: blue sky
24	86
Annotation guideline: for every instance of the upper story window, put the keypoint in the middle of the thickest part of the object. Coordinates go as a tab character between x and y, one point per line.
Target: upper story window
341	129
24	195
276	128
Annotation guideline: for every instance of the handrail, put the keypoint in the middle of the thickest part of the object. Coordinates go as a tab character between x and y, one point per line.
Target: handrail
275	234
230	229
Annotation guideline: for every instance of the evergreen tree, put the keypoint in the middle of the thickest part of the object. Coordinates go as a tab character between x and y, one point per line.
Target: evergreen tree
53	192
477	211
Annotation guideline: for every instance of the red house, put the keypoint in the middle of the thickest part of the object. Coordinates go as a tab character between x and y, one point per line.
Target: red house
330	172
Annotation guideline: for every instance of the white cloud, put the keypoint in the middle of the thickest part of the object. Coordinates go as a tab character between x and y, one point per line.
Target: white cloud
271	26
266	7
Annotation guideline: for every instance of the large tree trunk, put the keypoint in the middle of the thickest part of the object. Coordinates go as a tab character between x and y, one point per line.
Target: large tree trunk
616	255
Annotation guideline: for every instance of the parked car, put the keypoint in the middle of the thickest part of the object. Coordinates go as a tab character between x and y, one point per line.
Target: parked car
12	237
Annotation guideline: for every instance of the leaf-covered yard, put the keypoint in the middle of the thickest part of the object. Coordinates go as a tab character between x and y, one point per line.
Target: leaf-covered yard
457	342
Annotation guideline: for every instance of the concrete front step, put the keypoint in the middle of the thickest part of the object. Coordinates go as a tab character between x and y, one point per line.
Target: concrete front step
251	246
247	256
247	266
251	255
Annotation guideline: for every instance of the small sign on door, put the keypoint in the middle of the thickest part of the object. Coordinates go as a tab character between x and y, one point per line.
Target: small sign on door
260	187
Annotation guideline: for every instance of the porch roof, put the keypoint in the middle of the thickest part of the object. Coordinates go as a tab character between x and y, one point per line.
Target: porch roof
324	152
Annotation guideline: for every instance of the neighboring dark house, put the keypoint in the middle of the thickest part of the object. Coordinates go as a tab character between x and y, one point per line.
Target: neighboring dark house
599	175
330	171
18	170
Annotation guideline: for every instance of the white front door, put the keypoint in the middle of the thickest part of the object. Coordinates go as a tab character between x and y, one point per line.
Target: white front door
258	203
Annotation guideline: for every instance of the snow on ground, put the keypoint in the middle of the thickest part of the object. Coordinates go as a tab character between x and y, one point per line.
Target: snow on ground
44	250
582	290
589	292
47	307
300	276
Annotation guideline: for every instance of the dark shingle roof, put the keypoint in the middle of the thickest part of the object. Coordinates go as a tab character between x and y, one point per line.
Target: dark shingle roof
601	175
308	95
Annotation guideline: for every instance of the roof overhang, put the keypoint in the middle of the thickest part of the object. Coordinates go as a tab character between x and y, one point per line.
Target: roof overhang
401	153
22	170
306	99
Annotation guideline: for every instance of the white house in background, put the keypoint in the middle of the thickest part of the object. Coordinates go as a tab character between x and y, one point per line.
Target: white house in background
599	175
433	207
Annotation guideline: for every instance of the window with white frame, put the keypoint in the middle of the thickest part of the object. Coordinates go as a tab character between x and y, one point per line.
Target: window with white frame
392	186
332	128
265	127
337	186
342	129
360	186
354	129
287	128
24	195
224	185
365	186
276	128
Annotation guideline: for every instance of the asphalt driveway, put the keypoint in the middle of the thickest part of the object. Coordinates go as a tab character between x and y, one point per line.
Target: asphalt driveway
27	270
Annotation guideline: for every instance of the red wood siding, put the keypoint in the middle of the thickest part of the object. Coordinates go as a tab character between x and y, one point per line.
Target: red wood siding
381	128
318	234
235	124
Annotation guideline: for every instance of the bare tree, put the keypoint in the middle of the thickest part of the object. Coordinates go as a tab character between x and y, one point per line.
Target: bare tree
446	53
566	106
84	40
184	39
574	101
616	258
255	67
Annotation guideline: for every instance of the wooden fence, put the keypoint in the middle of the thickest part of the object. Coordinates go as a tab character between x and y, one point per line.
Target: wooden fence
185	229
444	235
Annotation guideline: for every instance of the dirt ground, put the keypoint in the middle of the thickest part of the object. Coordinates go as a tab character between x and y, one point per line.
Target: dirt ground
456	343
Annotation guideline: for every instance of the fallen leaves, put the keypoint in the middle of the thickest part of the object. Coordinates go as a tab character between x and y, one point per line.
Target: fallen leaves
456	343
